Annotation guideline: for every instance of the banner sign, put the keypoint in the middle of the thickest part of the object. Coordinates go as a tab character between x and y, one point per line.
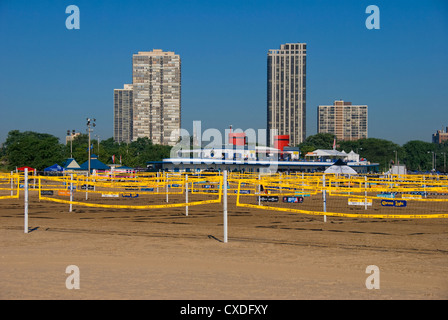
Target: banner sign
130	195
46	192
293	199
268	198
394	203
109	195
359	202
63	192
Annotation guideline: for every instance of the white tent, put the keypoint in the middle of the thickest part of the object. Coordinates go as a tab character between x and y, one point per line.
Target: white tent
340	168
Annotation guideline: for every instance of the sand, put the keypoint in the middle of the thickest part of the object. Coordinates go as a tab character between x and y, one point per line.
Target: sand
164	254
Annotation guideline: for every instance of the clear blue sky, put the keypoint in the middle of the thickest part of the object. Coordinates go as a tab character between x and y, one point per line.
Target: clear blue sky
52	78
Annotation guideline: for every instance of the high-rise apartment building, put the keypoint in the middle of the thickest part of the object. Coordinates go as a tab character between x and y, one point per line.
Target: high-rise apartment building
156	95
286	94
123	111
344	120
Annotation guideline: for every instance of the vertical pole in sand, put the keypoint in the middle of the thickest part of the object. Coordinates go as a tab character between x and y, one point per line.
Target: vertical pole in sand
87	186
324	197
12	183
158	175
259	190
166	186
365	192
224	186
71	192
186	194
26	201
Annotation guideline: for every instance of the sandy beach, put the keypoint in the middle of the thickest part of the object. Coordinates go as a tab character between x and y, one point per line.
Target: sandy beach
164	254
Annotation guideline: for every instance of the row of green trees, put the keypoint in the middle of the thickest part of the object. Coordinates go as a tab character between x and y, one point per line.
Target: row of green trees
416	155
41	150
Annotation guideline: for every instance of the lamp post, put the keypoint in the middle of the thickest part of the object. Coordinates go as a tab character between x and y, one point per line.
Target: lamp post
433	164
98	139
71	134
444	161
89	130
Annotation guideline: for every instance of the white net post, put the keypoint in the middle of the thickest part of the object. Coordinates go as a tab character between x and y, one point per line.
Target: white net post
26	201
224	186
324	195
12	183
71	192
186	194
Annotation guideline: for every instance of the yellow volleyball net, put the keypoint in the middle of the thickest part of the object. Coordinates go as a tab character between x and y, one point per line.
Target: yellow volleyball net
136	191
356	196
10	184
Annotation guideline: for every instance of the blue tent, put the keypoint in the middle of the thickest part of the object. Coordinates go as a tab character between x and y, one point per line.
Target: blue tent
94	164
54	168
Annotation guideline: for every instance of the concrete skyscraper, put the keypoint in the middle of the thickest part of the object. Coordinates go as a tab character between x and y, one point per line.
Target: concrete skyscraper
123	111
286	96
344	120
156	96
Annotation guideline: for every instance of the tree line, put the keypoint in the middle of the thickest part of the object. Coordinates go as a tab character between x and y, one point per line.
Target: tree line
416	155
41	150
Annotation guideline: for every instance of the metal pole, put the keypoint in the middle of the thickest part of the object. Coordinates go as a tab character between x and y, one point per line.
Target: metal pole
224	183
324	197
71	192
166	186
12	183
365	192
26	201
186	194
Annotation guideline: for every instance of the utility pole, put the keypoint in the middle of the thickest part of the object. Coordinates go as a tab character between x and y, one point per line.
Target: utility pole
89	130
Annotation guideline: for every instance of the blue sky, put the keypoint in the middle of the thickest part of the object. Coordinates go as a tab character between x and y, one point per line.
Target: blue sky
52	78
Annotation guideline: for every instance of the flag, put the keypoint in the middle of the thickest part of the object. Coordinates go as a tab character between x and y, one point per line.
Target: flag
120	158
334	144
113	158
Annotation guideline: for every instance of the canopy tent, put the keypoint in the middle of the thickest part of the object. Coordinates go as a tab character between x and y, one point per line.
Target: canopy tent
25	167
327	153
71	164
95	164
54	168
339	167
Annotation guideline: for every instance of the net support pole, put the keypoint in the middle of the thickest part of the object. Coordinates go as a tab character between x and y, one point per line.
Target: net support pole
12	183
166	186
324	195
26	201
224	186
186	194
71	192
365	192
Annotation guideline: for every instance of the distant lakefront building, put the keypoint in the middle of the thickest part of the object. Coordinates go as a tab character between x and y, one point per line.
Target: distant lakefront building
157	95
150	106
286	93
344	120
440	136
123	112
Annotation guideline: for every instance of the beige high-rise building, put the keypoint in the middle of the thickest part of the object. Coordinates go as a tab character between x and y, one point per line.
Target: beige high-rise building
287	92
156	96
123	111
344	120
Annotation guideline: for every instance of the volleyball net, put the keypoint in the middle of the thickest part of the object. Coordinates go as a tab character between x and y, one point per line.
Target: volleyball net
146	191
356	196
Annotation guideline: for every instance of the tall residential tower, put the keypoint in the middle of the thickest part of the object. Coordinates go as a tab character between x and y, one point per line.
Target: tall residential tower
156	96
286	94
123	111
344	120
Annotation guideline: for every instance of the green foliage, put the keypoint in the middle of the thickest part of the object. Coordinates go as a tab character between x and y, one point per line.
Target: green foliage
37	150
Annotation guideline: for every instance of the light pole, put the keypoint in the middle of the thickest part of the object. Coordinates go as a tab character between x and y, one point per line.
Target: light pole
98	139
71	141
433	164
444	161
89	130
